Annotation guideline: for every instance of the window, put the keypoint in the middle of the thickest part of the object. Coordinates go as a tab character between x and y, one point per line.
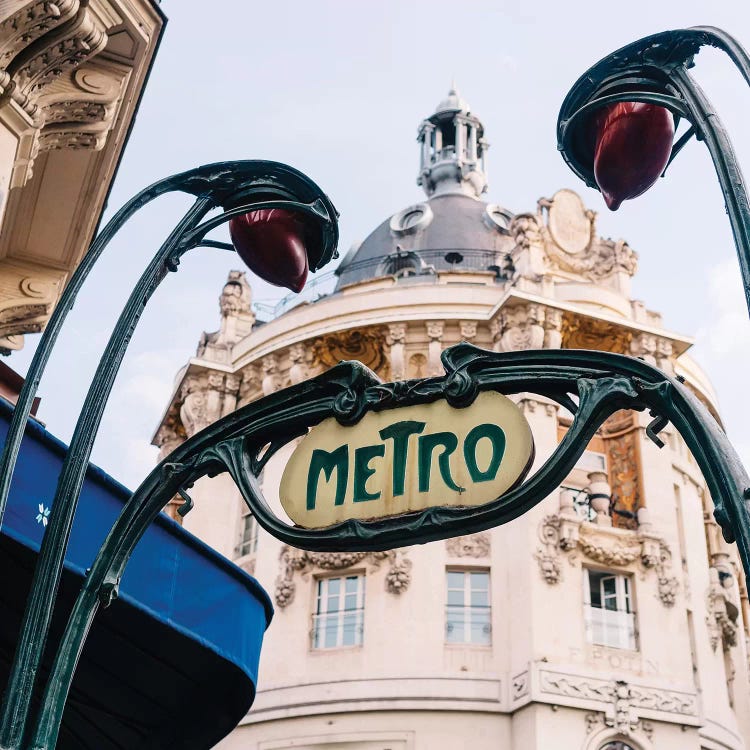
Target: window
248	542
468	607
339	612
610	617
617	745
592	461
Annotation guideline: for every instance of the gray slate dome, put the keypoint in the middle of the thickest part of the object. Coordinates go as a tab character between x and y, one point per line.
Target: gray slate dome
453	230
448	232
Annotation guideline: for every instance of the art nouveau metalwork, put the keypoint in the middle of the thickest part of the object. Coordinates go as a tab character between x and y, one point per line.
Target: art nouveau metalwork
655	70
232	187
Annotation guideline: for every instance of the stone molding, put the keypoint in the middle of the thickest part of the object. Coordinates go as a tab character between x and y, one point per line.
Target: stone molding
50	71
397	579
624	700
26	301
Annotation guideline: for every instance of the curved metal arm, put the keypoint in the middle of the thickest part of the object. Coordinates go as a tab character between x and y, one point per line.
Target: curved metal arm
214	185
603	382
655	70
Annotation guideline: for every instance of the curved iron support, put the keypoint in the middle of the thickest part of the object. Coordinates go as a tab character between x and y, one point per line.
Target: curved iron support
655	70
242	442
243	186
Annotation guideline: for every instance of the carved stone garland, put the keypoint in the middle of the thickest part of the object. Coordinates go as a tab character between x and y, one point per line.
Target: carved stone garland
292	560
568	534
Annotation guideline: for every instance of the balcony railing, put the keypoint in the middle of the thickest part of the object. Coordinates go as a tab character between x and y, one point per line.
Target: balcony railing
609	627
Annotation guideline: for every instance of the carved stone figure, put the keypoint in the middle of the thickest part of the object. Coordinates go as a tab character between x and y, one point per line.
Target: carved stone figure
521	328
237	320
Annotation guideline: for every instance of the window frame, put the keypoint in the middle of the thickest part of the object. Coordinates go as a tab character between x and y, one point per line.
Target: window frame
467	608
621	620
318	631
240	549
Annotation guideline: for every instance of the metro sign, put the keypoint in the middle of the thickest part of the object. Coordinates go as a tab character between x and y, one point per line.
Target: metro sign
406	460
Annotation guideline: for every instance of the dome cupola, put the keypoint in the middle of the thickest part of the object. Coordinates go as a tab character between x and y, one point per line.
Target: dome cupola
453	150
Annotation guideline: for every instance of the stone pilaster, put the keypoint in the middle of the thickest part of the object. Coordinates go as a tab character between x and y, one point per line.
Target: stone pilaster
297	358
435	330
271	380
396	340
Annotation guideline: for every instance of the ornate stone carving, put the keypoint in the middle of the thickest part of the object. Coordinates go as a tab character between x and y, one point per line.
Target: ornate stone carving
643	346
609	554
194	409
579	332
366	346
528	254
250	384
519	685
722	614
567	534
26	301
24	22
546	555
471	545
397	578
571	243
521	328
664	354
237	320
171	433
468	329
623	698
553	320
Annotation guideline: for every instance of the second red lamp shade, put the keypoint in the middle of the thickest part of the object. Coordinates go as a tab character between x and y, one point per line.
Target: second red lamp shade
632	145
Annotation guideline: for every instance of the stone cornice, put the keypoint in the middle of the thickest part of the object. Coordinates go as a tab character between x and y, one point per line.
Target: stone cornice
71	74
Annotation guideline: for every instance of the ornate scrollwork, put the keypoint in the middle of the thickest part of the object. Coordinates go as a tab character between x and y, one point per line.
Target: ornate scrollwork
568	534
397	579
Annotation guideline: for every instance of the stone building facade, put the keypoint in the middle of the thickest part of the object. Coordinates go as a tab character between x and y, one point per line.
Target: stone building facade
612	616
71	76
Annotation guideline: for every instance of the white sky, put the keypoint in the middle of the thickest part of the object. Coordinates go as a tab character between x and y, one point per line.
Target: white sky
337	88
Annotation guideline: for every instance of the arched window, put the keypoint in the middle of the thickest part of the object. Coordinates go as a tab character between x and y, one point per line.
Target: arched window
617	745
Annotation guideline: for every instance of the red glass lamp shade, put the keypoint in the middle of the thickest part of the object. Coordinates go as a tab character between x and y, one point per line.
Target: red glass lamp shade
274	243
633	141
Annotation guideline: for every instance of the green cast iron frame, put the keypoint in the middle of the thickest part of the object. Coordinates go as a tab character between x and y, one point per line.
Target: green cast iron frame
236	187
655	70
591	385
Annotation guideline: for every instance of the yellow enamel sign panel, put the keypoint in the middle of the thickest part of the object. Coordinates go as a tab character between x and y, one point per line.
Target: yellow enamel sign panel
405	460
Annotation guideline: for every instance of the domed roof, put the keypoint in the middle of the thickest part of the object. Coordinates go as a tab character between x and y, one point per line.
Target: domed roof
454	102
447	232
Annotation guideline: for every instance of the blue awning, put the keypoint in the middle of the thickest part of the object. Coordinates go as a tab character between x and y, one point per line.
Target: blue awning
173	661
